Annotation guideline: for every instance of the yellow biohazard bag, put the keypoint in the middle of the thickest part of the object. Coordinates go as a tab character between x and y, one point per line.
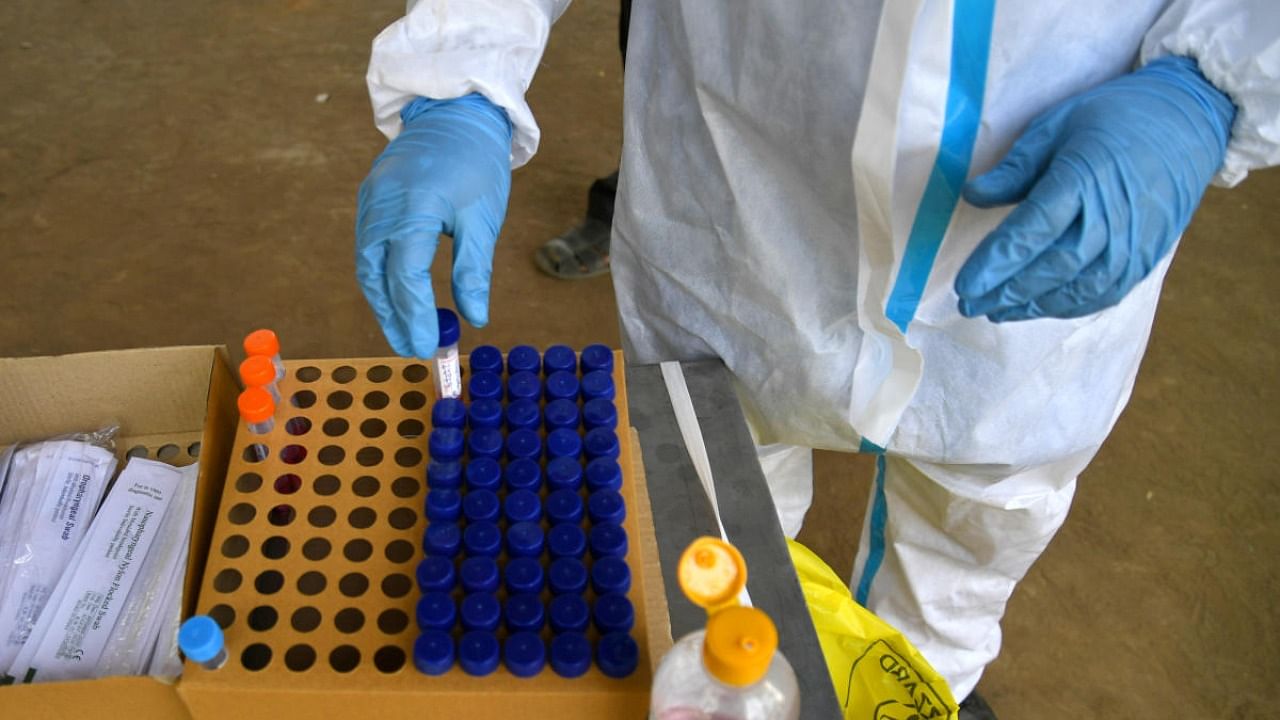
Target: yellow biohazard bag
877	673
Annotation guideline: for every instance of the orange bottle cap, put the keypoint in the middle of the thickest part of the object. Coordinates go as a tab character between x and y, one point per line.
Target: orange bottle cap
262	342
739	645
256	405
711	573
257	370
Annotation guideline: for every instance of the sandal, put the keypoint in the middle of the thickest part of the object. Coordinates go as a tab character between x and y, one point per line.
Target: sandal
581	253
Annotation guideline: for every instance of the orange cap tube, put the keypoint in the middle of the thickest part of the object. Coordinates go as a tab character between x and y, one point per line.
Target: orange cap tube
262	342
257	371
256	405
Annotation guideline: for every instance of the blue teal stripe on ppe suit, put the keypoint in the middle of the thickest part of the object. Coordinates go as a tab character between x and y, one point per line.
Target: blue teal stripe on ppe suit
970	48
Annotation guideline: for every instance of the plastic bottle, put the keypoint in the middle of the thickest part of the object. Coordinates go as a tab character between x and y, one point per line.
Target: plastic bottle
732	670
257	371
200	639
448	369
265	343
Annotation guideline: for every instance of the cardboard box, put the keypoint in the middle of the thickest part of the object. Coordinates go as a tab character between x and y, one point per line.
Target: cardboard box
170	403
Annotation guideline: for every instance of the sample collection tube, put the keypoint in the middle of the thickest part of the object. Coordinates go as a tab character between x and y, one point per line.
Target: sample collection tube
259	371
200	639
258	410
265	343
448	374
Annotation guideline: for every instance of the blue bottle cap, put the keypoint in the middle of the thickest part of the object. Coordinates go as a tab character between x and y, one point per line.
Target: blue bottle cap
485	415
480	611
436	611
606	506
525	613
445	475
568	613
570	654
484	473
522	506
523	475
479	575
597	357
200	638
445	443
603	474
601	442
486	358
598	384
482	539
448	412
524	539
443	505
481	506
435	574
610	575
524	575
564	474
523	415
485	442
608	540
614	613
524	444
524	358
599	412
567	576
617	655
566	540
442	539
523	386
563	506
450	328
562	386
564	443
433	652
524	654
485	386
559	358
561	414
478	653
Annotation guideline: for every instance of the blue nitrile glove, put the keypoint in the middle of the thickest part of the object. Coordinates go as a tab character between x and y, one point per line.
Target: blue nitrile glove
1106	182
448	171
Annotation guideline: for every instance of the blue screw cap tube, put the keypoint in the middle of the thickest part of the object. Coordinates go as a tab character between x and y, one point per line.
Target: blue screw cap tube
525	654
564	443
448	412
597	357
523	415
485	386
486	442
570	655
442	539
482	539
523	386
480	611
601	442
523	475
435	574
599	412
479	575
433	652
566	540
567	576
561	414
603	474
608	540
524	358
524	445
564	474
568	613
524	539
445	443
443	505
564	506
444	475
525	613
562	386
484	473
617	655
522	506
524	575
485	415
606	506
478	653
610	575
559	358
436	611
598	384
482	506
614	613
486	358
200	639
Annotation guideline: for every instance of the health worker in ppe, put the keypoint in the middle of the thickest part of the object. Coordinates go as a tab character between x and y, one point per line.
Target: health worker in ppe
934	230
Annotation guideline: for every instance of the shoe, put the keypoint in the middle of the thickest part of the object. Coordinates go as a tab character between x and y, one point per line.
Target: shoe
582	252
975	708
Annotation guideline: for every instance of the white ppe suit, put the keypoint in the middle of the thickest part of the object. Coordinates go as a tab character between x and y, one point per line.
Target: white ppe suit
773	212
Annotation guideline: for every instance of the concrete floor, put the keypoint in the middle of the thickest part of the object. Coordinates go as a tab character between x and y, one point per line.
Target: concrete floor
168	176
